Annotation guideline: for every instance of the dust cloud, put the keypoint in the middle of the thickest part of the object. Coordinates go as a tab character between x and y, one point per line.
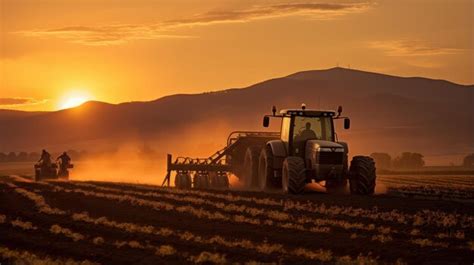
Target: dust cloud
380	188
123	165
129	163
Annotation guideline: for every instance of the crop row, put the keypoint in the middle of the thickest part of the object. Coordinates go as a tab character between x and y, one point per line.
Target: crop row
384	231
317	224
25	257
264	247
380	232
200	212
464	182
56	229
421	218
25	225
438	186
434	192
39	201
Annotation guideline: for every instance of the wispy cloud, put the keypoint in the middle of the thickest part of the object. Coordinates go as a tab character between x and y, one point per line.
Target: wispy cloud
18	102
104	35
122	33
315	10
403	48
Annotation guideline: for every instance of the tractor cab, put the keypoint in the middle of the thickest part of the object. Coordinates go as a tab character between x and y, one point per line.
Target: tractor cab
300	125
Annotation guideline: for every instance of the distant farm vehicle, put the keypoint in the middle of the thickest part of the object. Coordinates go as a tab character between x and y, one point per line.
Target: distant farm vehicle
305	150
52	171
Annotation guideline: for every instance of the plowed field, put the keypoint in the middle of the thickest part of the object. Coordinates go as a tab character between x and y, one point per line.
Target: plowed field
114	223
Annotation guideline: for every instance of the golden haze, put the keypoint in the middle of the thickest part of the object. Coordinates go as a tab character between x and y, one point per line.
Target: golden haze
118	51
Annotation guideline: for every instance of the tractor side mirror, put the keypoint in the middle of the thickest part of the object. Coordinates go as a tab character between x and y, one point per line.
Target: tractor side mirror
339	111
347	123
266	121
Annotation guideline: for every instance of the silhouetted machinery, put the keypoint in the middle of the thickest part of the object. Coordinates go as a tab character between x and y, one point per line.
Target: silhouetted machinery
212	172
52	171
305	150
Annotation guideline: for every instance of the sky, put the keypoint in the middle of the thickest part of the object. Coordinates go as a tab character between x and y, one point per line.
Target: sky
56	54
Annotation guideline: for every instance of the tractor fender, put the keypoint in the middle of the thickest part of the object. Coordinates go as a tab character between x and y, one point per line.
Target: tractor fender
346	147
279	152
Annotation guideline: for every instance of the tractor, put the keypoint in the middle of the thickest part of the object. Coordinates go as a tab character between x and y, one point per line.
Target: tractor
305	150
52	171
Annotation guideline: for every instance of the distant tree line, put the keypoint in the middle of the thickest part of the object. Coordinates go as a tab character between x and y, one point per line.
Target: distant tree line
469	160
143	152
35	156
409	160
406	160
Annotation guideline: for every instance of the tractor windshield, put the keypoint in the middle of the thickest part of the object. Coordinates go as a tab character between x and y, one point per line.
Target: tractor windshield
307	128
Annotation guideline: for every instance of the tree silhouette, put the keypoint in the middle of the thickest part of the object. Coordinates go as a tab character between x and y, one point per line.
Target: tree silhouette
469	160
382	160
11	157
33	156
22	157
409	160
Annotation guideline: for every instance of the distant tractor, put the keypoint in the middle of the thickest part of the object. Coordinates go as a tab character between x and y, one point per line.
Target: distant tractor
305	149
52	171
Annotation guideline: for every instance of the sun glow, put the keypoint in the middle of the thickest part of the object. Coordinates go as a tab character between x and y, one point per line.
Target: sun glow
74	99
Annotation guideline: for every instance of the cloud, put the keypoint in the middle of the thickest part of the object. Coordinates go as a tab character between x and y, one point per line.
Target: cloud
316	10
122	33
403	48
18	102
103	35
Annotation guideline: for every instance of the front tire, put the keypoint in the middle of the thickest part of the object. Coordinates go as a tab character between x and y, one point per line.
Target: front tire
362	175
293	175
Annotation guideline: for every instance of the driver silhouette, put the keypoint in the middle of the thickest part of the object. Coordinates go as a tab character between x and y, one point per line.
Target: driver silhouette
307	133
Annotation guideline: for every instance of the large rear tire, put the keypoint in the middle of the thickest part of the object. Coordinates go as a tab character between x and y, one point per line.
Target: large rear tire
177	180
183	181
219	180
362	175
293	175
267	179
201	180
222	180
250	168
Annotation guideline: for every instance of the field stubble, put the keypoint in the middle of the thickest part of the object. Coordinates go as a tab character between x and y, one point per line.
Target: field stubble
101	222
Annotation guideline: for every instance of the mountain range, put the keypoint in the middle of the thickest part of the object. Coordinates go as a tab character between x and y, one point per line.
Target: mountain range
389	114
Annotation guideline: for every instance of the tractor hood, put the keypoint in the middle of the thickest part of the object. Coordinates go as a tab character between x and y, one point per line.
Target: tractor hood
326	158
324	146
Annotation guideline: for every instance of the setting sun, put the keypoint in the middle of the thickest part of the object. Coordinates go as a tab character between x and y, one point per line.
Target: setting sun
73	102
74	99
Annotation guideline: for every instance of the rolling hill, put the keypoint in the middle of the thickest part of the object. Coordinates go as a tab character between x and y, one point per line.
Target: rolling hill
389	113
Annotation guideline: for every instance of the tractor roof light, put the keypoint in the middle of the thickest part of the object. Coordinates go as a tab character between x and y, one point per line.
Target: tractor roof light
303	106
